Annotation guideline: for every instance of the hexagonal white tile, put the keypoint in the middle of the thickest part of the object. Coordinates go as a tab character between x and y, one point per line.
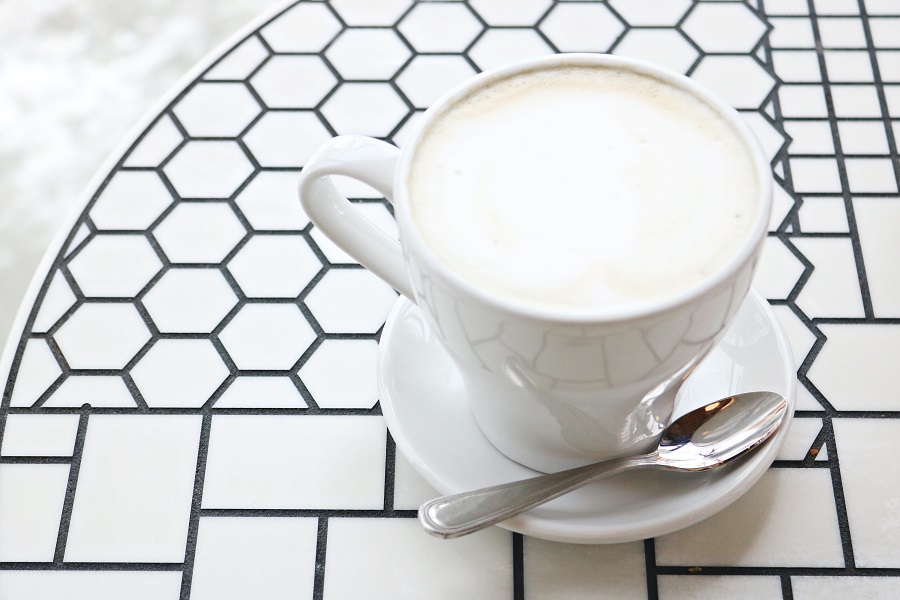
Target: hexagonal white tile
267	337
179	373
365	108
724	27
574	27
306	27
651	12
189	300
367	54
427	78
365	12
217	109
115	266
240	62
351	301
261	392
270	202
274	266
56	301
341	374
293	81
38	369
440	27
501	12
199	233
155	145
100	391
131	200
286	139
664	47
739	80
208	169
500	46
102	336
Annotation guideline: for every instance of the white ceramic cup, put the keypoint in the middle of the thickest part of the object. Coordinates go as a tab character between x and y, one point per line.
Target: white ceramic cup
549	389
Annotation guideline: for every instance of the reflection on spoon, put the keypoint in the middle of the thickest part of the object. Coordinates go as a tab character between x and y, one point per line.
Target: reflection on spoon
705	438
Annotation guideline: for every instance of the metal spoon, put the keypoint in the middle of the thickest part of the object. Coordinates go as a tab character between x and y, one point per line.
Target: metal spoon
705	438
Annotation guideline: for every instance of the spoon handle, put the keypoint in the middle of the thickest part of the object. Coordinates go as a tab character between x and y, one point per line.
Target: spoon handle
468	512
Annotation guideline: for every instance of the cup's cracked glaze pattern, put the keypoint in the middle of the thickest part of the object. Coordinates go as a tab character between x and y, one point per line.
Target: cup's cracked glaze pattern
190	409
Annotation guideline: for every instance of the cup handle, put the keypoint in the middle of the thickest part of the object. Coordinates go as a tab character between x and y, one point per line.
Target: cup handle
372	162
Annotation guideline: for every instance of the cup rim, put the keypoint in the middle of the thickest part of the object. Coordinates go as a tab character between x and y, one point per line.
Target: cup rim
414	243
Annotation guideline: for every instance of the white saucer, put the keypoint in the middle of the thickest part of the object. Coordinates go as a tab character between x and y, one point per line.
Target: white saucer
428	415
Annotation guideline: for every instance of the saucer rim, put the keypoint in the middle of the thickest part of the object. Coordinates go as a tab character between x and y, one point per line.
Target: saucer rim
744	474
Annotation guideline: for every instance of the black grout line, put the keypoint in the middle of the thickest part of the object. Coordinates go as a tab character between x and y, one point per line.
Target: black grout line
713	570
69	499
89	566
838	486
375	513
518	566
651	569
390	471
318	590
787	590
190	551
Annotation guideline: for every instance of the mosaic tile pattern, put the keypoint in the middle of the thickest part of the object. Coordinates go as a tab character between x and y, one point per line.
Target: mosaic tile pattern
191	408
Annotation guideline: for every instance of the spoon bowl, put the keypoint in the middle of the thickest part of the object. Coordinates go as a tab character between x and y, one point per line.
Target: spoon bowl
705	438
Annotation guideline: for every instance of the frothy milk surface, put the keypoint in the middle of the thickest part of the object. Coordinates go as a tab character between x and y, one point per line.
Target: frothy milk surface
582	187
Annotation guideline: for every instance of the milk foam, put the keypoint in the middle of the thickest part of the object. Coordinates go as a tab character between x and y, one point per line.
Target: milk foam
583	187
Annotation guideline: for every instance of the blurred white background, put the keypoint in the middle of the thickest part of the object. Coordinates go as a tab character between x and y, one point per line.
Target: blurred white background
75	78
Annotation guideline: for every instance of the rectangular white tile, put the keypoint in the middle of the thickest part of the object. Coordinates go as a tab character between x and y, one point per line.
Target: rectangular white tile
265	558
717	587
836	7
573	571
826	214
279	461
871	175
39	435
844	588
385	559
788	519
410	489
797	66
868	450
878	221
31	502
802	434
90	585
842	32
815	175
832	289
135	486
791	33
787	7
810	137
868	352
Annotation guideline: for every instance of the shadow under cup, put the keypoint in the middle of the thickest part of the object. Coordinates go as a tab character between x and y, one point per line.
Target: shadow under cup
551	388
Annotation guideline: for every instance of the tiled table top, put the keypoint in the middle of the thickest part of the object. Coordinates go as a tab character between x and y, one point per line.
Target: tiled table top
190	408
